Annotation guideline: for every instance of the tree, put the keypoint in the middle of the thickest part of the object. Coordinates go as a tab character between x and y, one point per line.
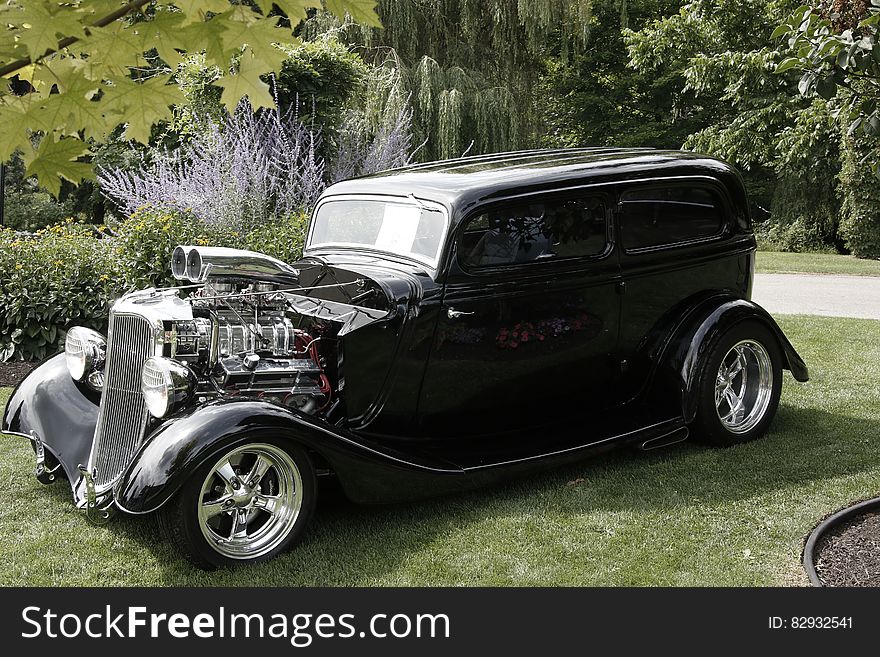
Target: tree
594	98
834	47
742	111
468	67
88	66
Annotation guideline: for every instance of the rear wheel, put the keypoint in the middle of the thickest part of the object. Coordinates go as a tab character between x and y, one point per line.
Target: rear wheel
739	386
247	505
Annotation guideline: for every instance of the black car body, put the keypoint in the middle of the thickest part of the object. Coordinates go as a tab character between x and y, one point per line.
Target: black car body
449	324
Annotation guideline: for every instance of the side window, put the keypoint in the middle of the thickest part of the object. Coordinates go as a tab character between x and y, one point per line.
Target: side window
664	216
532	232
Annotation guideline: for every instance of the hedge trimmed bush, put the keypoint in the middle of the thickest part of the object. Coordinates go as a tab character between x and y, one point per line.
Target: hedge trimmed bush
69	274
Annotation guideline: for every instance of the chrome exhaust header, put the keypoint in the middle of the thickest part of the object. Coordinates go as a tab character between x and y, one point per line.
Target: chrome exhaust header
197	264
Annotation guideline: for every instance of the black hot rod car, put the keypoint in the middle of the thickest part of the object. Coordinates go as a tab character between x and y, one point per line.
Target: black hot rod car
448	324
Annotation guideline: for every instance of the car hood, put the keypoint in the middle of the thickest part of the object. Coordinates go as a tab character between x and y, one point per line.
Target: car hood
356	291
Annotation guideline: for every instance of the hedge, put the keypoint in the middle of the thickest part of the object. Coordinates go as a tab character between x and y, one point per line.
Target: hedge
70	273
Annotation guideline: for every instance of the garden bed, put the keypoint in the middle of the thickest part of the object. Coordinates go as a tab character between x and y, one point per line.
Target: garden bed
14	371
849	554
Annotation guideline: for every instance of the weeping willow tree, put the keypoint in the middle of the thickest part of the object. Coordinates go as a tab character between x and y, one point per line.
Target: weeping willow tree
467	67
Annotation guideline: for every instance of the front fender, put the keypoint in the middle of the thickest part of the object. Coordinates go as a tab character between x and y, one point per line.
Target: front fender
681	358
369	472
60	411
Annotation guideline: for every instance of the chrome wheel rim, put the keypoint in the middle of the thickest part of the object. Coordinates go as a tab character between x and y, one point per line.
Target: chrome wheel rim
743	386
250	501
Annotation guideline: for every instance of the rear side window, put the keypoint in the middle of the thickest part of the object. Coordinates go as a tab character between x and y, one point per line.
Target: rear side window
669	215
535	232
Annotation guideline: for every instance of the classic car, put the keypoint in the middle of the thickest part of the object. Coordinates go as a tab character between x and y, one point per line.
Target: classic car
449	324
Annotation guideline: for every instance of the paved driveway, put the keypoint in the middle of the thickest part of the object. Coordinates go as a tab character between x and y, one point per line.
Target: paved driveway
814	294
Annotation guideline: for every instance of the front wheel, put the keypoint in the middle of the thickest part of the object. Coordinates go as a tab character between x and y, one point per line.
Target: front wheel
739	386
247	505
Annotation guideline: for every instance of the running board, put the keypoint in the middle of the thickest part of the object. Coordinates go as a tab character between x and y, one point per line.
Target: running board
676	436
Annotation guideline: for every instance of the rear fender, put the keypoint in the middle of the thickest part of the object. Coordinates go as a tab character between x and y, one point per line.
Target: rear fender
682	357
367	471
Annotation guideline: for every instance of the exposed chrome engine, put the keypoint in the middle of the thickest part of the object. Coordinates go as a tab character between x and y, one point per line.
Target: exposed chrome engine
246	340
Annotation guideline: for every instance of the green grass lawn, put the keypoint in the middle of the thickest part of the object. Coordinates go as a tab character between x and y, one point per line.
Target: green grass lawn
686	515
772	262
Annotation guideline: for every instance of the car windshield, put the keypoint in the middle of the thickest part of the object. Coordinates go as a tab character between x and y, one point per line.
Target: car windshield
410	229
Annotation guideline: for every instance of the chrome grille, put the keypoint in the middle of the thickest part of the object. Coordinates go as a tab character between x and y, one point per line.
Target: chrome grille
123	415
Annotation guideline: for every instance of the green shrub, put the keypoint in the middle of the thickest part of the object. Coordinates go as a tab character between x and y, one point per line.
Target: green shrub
64	276
320	78
143	245
282	238
798	236
27	206
202	105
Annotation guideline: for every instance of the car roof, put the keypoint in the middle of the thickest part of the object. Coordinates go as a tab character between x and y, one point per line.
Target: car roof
463	182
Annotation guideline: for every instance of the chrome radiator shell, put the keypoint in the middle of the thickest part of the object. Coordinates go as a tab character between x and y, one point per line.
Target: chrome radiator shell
136	332
122	418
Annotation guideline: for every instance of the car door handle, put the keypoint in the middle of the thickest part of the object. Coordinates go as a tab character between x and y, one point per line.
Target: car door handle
452	313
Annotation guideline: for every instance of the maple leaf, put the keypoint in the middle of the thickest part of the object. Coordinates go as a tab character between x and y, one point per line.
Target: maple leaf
75	106
197	10
34	106
56	158
163	32
295	10
362	11
9	45
16	119
141	104
208	36
259	37
235	24
246	82
42	25
84	90
117	44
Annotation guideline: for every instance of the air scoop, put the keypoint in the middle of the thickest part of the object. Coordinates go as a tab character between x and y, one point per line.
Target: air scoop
197	264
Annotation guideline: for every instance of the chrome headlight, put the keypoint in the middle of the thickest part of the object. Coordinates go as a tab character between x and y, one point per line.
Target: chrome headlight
166	385
84	351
